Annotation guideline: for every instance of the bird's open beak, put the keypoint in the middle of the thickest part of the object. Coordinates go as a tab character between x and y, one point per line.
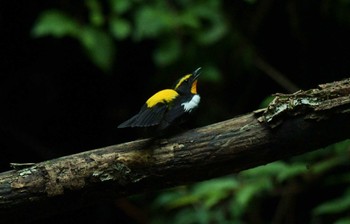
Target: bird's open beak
196	73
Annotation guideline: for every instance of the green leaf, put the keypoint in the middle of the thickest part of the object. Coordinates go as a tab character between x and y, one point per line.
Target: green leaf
99	46
55	23
335	206
147	23
269	170
150	22
213	191
185	200
190	216
213	26
207	194
247	192
95	10
211	74
338	148
120	6
167	52
279	170
345	220
342	147
328	164
266	101
120	28
189	19
291	171
316	155
168	196
215	31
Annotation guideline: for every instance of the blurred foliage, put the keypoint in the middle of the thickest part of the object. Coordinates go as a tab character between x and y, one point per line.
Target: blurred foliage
266	101
169	24
97	43
239	198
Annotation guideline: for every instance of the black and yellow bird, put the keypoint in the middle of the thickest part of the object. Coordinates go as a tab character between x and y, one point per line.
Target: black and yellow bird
168	106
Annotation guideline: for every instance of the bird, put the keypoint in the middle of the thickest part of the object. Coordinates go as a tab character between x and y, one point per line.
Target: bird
168	107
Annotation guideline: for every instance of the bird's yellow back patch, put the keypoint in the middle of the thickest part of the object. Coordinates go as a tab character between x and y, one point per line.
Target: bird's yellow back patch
163	96
182	80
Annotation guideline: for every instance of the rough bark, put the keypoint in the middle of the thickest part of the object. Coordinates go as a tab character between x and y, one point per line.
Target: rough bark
291	125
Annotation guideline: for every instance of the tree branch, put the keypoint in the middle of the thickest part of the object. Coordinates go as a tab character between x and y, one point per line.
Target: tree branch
291	125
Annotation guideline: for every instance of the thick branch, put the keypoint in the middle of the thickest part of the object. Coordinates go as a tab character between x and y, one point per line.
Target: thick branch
291	125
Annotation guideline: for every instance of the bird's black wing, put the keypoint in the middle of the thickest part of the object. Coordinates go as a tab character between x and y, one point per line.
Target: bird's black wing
176	114
147	117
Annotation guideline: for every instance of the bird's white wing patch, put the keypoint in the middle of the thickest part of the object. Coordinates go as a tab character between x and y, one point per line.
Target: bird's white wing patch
192	104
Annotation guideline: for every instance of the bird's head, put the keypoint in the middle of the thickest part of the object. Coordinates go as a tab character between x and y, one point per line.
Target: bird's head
188	83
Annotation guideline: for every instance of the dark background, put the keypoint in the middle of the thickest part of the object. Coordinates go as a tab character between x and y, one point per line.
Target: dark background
55	101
